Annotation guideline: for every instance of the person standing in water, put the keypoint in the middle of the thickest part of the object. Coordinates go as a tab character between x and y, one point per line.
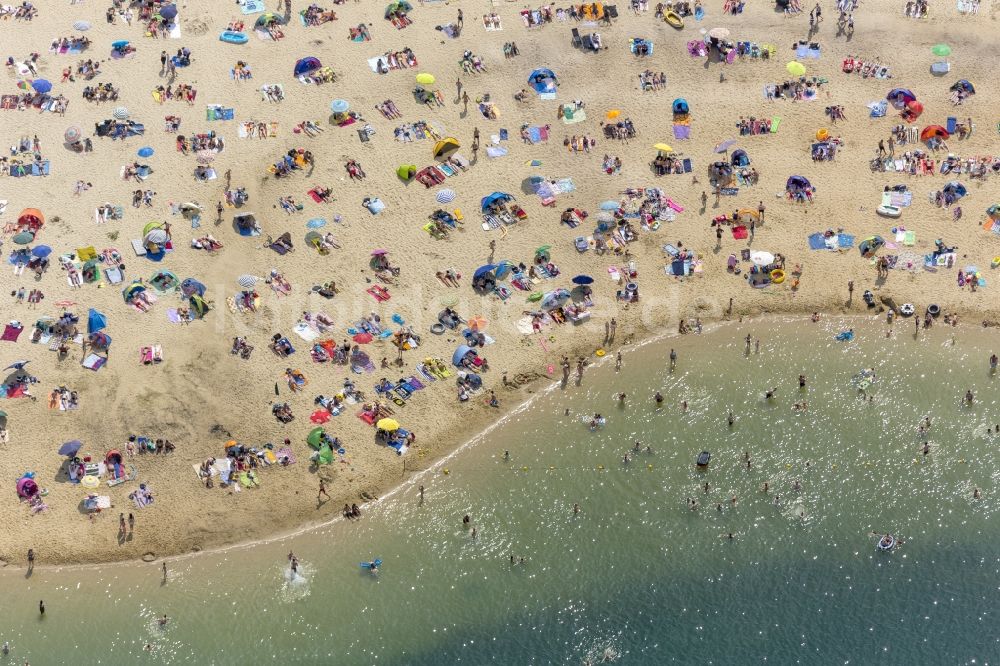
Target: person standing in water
732	420
673	359
802	381
969	398
659	398
41	607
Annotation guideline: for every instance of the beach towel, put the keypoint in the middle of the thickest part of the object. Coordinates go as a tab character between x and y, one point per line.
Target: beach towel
817	242
113	274
571	116
740	233
682	131
94	362
910	238
845	240
496	151
251	6
11	333
774	124
216	112
546	95
305	331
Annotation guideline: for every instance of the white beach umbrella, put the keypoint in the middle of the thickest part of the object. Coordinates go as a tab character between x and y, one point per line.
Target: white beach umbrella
120	113
82	26
761	258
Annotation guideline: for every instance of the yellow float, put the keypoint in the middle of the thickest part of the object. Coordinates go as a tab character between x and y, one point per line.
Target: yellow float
777	276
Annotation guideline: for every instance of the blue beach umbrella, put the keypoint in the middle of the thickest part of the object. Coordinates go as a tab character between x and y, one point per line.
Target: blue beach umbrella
70	448
459	354
583	279
316	223
483	270
41	85
610	205
120	44
191	286
95	321
168	11
339	106
41	251
145	151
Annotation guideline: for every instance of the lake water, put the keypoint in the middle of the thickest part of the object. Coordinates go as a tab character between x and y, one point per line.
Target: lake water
637	577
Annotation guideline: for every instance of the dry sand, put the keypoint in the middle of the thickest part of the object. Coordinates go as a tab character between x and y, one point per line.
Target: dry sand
201	395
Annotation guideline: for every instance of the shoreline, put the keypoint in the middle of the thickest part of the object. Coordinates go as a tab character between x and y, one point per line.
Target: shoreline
441	454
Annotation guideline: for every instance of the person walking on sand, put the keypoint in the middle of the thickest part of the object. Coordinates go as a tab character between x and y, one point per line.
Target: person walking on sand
760	211
322	491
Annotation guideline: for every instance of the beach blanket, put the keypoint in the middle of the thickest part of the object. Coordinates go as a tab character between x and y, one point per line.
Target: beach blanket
845	240
496	151
538	134
11	333
910	238
94	362
218	112
682	131
251	6
305	331
571	116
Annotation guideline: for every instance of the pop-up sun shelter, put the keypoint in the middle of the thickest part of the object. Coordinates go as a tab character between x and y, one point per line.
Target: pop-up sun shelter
306	65
543	80
445	147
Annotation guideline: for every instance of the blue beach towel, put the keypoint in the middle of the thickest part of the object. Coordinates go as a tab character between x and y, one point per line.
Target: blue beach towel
845	240
817	242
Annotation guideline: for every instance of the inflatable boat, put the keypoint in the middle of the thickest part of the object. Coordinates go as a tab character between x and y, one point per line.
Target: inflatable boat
703	459
886	543
674	20
233	37
369	565
886	210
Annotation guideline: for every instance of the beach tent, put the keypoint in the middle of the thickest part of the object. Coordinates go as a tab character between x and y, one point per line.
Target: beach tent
131	291
680	105
325	456
114	457
190	286
739	158
95	321
99	340
267	19
406	172
91	270
747	214
395	7
306	65
496	197
543	80
899	97
913	110
994	211
796	183
932	132
154	239
30	218
869	246
955	189
26	487
445	147
964	86
316	437
198	305
246	224
461	353
164	280
721	171
504	267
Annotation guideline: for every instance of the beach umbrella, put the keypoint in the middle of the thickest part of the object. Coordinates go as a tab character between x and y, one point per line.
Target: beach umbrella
425	79
606	217
72	134
612	114
725	145
168	11
247	281
583	279
795	68
316	223
82	26
544	249
718	33
191	286
609	205
761	258
554	299
120	113
70	448
478	323
379	252
90	481
496	197
483	270
145	151
362	338
941	50
460	353
339	106
448	301
41	251
663	147
18	365
389	425
315	437
205	157
95	321
320	416
23	238
120	44
41	85
445	196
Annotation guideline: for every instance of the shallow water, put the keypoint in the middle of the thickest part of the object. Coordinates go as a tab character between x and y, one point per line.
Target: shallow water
636	577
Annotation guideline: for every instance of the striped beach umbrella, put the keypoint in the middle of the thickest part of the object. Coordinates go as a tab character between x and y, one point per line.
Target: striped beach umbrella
445	196
247	281
120	113
72	134
82	26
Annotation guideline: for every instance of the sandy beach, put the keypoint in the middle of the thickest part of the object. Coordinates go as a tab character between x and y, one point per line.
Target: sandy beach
201	396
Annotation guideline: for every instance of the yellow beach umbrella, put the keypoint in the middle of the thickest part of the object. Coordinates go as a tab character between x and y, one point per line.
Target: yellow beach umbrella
663	147
613	113
90	481
389	425
796	68
425	79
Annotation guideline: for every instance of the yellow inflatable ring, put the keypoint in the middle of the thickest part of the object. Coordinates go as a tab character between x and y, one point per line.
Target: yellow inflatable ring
777	276
599	353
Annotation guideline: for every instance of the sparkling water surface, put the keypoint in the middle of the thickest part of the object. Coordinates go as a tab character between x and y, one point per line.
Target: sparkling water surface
637	577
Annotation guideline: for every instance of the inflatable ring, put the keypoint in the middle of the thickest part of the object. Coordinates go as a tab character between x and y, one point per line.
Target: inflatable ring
777	276
552	338
599	353
437	329
907	309
933	309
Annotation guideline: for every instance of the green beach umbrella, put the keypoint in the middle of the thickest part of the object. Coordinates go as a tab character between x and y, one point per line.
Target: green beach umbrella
796	68
941	50
315	438
23	238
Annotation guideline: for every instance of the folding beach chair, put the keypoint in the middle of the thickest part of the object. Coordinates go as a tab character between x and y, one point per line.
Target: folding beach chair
577	41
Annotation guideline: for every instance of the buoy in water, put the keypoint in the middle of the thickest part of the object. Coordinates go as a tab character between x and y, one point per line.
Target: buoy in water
446	471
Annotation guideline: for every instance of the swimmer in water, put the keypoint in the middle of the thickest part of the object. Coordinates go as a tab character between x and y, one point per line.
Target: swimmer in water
770	394
797	485
801	406
621	397
576	508
684	405
163	620
506	455
732	420
659	398
625	459
975	495
926	448
649	450
802	381
637	446
993	363
969	398
466	520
